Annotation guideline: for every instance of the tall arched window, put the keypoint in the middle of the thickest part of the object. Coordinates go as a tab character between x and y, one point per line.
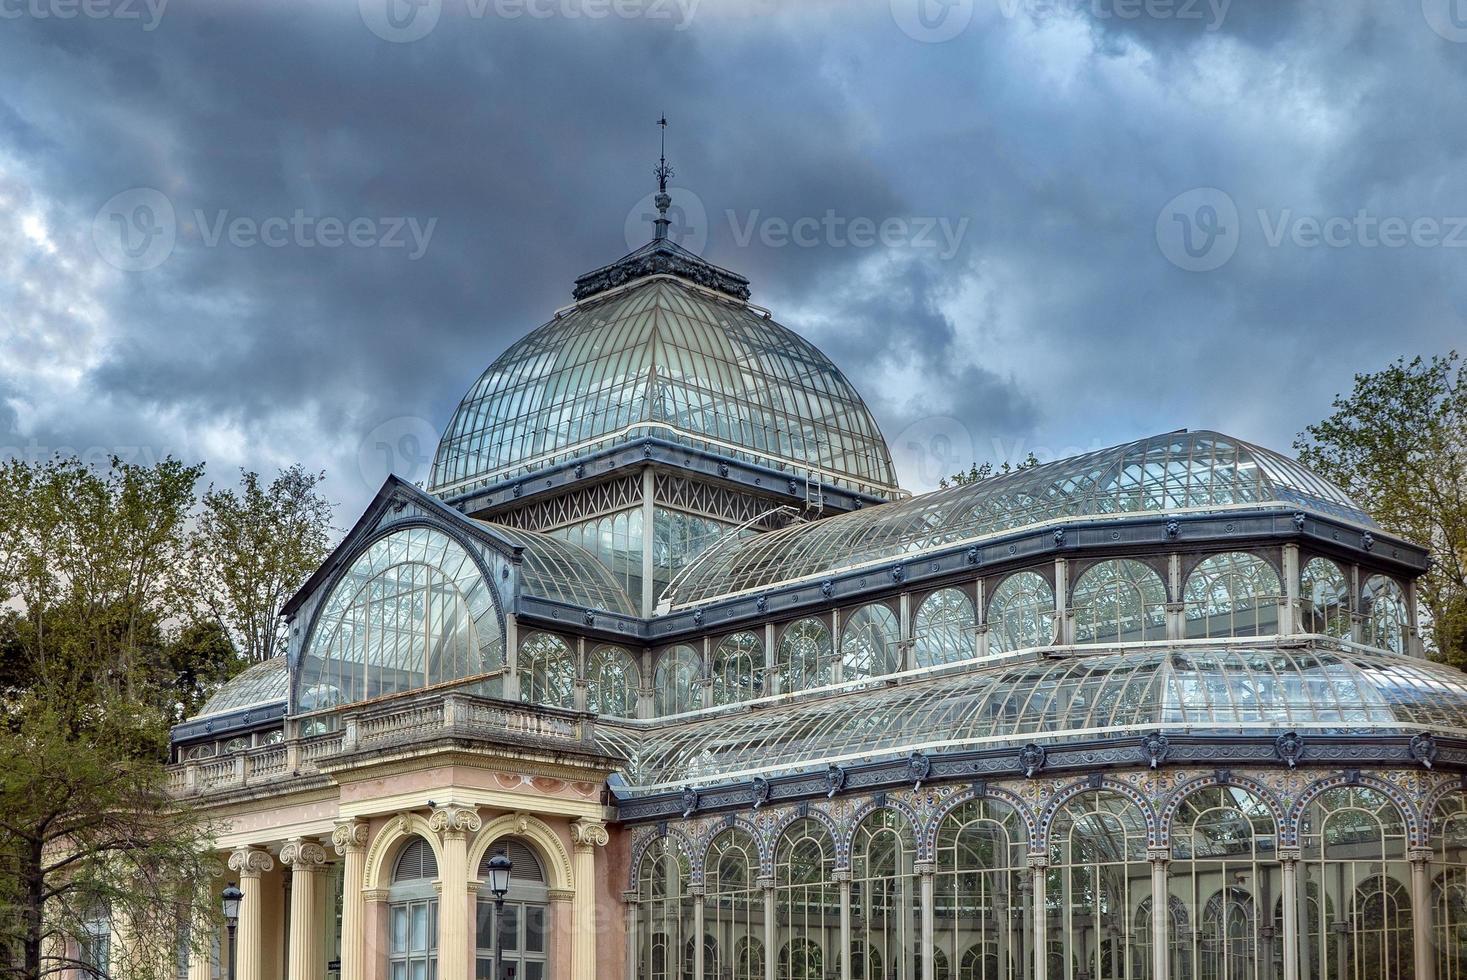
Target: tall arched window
945	629
524	931
1449	885
733	903
1324	599
412	952
665	921
884	890
1233	594
981	852
1223	847
748	959
547	671
678	681
869	643
1384	605
611	682
738	668
1179	939
1097	874
806	899
1119	601
1021	613
806	656
1353	850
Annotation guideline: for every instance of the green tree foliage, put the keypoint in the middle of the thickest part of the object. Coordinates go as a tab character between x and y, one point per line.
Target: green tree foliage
977	474
1398	444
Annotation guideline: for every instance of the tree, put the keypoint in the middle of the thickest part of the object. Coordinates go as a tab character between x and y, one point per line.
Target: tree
1398	445
252	550
977	474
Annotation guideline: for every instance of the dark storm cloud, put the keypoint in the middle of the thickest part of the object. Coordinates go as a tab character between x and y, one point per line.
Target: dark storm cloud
1046	138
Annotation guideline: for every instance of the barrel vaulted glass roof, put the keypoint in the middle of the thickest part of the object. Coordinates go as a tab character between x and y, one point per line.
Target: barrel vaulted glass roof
1184	688
556	569
1178	471
267	682
665	358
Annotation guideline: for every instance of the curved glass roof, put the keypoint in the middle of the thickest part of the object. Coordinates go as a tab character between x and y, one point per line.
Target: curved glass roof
556	569
1186	688
1177	471
663	358
267	682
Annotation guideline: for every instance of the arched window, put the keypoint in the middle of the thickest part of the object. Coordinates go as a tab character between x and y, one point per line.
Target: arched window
1119	601
710	957
678	681
1384	605
941	966
611	682
1353	847
734	903
1324	599
884	889
1021	613
524	931
662	884
1179	940
866	962
411	611
869	643
1097	874
944	631
95	942
412	951
1233	594
806	898
979	888
738	668
547	671
806	656
1449	885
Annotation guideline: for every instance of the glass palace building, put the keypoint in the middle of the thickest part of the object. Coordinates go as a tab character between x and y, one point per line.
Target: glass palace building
664	629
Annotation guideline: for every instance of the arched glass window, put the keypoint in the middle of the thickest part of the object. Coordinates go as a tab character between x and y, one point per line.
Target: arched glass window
979	888
1119	601
1233	594
806	898
411	611
547	671
738	668
1324	599
611	682
1384	605
1097	874
412	952
733	903
662	884
1354	852
1449	885
710	957
869	643
941	966
884	889
678	681
95	943
524	928
866	962
806	656
1021	613
944	631
1179	939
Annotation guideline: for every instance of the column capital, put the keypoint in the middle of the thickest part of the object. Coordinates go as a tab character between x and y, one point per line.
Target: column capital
251	862
303	854
1289	855
630	898
587	833
841	877
560	894
1420	855
924	869
454	820
376	894
350	835
1037	861
1159	855
765	882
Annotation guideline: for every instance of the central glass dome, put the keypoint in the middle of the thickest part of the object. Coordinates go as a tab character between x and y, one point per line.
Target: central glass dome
661	345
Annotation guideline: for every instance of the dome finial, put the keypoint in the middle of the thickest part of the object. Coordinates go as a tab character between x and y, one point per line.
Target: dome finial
664	200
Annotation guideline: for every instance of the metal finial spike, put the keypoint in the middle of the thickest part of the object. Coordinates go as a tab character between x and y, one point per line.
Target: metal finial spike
664	200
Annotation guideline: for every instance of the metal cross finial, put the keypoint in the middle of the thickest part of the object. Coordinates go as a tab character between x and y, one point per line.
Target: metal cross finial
664	200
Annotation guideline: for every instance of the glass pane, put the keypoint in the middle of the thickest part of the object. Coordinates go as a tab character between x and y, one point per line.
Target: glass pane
418	937
535	928
399	928
511	927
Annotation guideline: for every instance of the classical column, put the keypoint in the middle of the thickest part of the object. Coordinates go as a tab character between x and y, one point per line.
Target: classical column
249	863
306	859
1064	619
843	881
350	841
771	933
630	898
1038	867
1289	608
1160	858
926	880
695	895
1421	913
587	835
1289	862
453	823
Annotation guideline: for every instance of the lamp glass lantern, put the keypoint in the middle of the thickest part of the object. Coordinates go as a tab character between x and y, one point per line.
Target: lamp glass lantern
230	898
499	869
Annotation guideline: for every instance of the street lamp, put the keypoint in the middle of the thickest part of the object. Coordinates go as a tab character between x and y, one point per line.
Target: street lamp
499	868
231	897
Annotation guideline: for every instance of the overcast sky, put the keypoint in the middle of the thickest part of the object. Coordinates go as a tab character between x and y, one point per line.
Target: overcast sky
1018	225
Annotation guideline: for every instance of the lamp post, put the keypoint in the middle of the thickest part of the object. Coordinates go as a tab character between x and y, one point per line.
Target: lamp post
230	898
499	868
